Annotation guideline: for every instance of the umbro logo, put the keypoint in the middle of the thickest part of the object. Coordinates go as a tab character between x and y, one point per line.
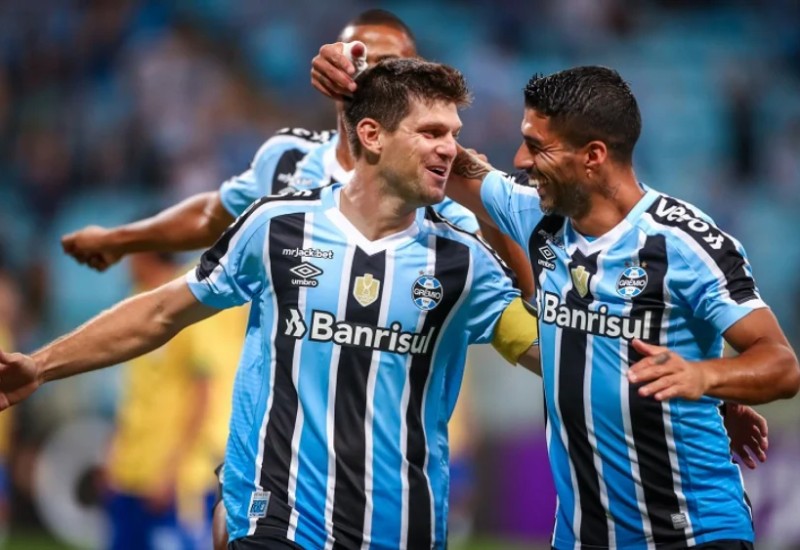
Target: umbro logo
547	257
305	274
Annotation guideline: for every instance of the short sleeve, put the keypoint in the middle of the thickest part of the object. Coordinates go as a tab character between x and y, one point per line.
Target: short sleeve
457	214
490	293
232	272
718	281
270	172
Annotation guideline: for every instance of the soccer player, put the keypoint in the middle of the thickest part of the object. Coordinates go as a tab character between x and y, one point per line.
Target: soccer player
363	304
635	292
166	441
630	471
304	158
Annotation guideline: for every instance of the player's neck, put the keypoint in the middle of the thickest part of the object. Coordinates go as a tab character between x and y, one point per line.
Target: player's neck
372	210
609	208
343	154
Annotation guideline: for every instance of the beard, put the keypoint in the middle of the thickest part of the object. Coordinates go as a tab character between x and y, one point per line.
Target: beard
566	198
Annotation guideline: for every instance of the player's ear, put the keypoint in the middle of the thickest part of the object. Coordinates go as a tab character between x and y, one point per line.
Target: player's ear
370	135
596	154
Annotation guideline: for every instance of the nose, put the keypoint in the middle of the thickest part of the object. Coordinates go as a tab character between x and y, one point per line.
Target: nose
447	147
523	159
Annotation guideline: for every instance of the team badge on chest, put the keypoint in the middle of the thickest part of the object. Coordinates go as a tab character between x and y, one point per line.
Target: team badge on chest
427	292
632	281
366	289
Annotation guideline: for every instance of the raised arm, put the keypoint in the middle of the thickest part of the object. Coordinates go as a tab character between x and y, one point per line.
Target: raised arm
197	222
766	368
464	183
129	329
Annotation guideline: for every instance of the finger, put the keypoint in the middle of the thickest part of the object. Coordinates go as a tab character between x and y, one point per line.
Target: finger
646	349
643	372
337	80
334	55
745	457
97	263
326	86
656	386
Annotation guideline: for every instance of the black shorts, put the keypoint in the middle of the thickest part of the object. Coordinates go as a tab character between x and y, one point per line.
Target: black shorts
263	542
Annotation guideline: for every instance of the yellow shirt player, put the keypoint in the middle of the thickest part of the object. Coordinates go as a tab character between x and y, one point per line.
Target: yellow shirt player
171	428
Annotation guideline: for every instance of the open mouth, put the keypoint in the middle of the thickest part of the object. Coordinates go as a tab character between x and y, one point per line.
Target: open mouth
438	171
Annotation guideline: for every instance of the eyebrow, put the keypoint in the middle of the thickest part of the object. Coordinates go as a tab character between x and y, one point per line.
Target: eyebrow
531	141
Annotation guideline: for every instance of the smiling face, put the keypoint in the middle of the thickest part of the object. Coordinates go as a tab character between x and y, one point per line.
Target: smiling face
554	167
416	158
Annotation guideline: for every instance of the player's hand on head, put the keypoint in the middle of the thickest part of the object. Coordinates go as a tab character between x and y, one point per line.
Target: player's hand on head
19	378
663	374
332	70
88	246
747	431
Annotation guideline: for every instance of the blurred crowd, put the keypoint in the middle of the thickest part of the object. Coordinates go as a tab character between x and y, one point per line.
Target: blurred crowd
110	109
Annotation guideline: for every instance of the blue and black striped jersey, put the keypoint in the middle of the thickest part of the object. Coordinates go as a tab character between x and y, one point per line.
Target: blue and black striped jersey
632	472
350	371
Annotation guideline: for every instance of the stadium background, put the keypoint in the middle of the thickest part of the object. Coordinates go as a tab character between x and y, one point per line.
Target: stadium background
110	109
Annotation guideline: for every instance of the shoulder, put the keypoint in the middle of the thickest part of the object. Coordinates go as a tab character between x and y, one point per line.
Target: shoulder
689	230
479	249
298	140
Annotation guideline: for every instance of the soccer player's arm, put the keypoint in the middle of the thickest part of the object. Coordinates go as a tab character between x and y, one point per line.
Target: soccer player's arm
464	183
516	336
129	329
766	366
193	223
513	255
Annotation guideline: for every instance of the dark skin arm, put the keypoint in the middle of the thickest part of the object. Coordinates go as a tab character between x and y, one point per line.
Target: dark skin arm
197	222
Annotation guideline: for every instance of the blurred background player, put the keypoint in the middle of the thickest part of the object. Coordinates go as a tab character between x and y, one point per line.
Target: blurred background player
171	428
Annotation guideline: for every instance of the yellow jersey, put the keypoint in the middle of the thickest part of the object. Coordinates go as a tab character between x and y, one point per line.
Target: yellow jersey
157	404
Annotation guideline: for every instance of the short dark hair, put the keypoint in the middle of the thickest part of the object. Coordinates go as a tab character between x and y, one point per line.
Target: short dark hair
586	104
385	91
381	17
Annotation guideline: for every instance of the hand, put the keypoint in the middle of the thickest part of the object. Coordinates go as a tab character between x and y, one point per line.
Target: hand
19	377
332	71
88	246
748	432
667	375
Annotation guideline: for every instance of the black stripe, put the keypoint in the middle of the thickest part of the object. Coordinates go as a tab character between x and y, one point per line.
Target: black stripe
543	236
211	257
435	217
647	419
571	402
284	232
717	244
451	268
285	169
349	439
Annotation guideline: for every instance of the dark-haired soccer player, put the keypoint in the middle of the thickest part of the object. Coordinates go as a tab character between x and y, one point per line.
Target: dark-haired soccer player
363	302
635	292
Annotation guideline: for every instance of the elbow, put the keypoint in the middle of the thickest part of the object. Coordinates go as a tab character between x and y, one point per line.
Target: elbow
790	381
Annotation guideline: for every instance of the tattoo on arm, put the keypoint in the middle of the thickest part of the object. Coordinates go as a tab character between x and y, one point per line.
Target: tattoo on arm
469	166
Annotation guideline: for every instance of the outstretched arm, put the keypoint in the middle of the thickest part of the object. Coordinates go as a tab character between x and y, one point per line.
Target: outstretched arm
766	368
129	329
197	222
464	184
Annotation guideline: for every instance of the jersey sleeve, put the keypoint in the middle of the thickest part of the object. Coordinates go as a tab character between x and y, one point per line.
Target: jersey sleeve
270	172
513	207
232	272
718	281
490	294
457	214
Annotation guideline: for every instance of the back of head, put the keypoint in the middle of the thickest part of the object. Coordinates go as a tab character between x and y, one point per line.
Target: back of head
586	104
386	90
